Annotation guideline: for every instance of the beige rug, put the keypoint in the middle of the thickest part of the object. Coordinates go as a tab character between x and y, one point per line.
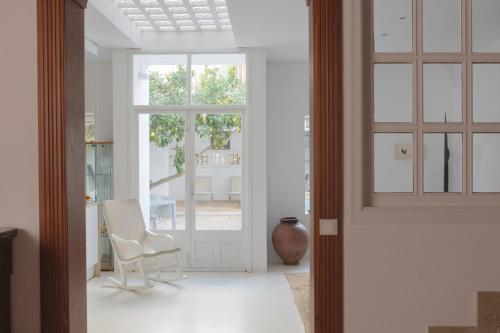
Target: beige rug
299	283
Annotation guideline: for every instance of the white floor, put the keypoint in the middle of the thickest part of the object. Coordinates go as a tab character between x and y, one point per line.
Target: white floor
203	303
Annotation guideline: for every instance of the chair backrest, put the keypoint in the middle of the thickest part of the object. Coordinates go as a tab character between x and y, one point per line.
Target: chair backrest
203	184
124	219
236	184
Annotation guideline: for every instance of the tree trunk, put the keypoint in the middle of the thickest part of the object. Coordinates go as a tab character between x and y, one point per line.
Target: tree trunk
171	178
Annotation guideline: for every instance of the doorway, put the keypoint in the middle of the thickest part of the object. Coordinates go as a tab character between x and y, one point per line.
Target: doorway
194	165
63	21
191	154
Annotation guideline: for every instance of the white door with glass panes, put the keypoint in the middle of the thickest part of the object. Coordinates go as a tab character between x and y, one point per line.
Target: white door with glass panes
191	146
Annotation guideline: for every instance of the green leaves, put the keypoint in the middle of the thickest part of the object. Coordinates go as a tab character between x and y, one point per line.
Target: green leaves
168	89
218	88
214	88
218	127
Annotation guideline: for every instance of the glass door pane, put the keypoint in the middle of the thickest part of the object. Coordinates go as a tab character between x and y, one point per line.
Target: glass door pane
218	79
392	26
160	79
167	170
442	26
218	176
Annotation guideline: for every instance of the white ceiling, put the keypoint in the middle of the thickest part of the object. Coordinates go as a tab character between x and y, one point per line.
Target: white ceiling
280	26
176	15
107	27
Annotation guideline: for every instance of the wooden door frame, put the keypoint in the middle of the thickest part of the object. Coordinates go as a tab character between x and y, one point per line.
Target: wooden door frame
61	164
61	114
326	47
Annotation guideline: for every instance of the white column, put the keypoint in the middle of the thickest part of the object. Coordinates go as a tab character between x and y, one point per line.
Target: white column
257	113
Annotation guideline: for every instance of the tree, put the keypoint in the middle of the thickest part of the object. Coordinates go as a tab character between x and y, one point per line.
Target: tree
214	87
168	89
218	88
89	133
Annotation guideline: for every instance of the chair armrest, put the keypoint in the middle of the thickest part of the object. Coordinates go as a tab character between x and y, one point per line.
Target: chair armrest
161	242
126	249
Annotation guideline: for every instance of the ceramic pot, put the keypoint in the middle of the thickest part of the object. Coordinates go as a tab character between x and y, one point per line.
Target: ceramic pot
290	240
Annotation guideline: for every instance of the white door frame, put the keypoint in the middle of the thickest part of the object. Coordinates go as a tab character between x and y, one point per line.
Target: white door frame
190	111
125	137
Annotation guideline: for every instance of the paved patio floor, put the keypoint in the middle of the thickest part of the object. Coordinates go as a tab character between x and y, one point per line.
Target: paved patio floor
210	215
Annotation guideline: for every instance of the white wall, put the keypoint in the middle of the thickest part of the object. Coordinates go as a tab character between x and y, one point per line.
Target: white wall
19	165
403	278
104	78
99	89
288	104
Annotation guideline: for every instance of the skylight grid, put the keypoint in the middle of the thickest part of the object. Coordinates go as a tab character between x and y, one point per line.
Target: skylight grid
177	15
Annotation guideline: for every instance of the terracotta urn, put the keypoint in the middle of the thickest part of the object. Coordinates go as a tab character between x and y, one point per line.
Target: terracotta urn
290	240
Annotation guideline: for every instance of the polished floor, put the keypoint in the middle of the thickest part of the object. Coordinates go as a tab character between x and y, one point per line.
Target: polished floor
203	303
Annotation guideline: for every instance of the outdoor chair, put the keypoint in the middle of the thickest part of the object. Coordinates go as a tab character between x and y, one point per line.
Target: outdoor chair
235	187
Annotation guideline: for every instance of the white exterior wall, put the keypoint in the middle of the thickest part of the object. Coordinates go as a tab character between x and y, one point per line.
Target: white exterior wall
161	167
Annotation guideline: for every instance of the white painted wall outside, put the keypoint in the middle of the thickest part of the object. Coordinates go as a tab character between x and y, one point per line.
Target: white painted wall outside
288	104
161	167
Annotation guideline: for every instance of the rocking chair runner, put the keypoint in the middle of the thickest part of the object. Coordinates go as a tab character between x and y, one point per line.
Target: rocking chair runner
132	242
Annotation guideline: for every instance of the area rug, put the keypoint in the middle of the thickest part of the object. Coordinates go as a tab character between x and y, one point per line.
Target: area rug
299	283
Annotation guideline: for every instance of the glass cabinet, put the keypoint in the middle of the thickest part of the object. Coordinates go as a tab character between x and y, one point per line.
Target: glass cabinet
99	187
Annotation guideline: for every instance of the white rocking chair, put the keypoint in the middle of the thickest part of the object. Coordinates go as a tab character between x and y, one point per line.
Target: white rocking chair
132	243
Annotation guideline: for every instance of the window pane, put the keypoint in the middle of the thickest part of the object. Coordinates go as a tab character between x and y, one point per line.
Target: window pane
219	79
218	183
486	162
160	79
486	93
167	167
393	162
441	25
443	162
486	25
393	94
443	93
393	25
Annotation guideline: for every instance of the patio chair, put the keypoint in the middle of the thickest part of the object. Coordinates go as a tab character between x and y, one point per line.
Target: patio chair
132	243
235	187
204	187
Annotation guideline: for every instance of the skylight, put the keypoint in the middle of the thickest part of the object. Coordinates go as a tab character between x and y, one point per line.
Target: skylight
177	15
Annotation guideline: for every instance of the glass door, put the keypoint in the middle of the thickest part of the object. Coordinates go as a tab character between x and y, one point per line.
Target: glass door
190	147
168	202
217	229
195	185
